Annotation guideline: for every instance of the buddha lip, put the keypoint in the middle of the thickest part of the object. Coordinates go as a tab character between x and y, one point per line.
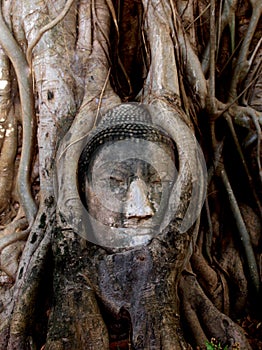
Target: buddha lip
136	231
137	226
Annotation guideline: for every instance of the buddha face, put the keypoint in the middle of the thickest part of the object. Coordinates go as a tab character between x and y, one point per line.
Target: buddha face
127	188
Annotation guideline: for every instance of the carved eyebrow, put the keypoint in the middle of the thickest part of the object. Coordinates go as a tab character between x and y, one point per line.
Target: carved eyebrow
154	177
107	171
118	174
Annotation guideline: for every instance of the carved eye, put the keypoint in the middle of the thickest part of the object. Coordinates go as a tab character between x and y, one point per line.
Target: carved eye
155	183
118	185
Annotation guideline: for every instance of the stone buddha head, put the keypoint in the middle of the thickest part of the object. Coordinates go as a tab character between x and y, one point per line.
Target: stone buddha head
140	171
126	172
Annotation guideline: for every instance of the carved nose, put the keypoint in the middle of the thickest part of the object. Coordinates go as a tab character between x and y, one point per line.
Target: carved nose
137	204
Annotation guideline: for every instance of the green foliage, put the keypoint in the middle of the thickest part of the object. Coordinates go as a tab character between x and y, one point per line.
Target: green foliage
215	345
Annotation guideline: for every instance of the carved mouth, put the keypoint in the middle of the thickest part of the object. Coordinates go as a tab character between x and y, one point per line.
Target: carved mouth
136	231
135	236
138	225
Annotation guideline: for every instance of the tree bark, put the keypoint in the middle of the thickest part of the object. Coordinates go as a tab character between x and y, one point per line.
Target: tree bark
63	66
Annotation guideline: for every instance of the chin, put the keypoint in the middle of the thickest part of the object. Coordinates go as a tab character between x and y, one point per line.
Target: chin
125	237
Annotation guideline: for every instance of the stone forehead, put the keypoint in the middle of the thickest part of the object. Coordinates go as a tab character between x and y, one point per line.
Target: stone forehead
126	121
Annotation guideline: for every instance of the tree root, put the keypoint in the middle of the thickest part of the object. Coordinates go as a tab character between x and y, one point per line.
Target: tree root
8	133
12	238
200	310
19	223
75	321
24	79
253	115
208	278
227	15
242	65
44	29
9	258
238	287
244	235
30	274
177	52
12	242
253	224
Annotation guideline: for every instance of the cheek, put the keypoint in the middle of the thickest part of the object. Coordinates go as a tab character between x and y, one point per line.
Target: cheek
101	212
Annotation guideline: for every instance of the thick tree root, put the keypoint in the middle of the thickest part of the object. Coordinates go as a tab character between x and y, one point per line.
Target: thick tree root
75	321
232	264
205	320
25	84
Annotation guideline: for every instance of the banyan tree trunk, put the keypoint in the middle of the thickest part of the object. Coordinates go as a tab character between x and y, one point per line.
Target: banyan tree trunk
73	61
